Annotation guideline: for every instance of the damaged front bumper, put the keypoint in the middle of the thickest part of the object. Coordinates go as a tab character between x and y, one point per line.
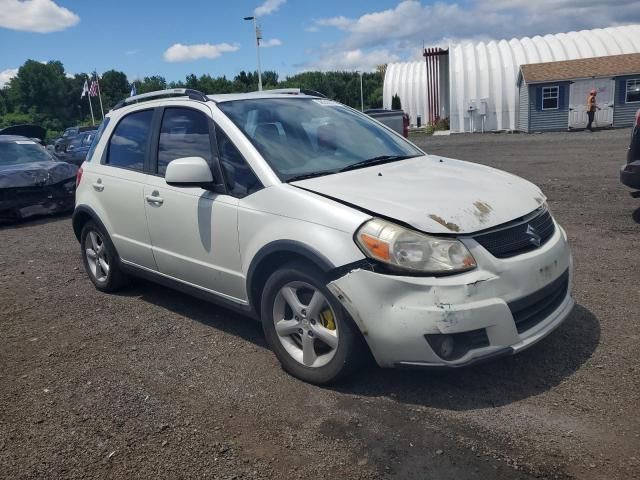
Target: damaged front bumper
502	307
22	202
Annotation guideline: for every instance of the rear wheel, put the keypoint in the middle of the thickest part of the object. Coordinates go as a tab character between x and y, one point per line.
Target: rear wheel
307	328
99	258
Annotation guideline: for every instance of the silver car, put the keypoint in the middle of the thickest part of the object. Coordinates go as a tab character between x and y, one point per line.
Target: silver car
338	234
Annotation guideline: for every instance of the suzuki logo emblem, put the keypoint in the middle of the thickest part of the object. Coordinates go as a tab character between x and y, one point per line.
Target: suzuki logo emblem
534	238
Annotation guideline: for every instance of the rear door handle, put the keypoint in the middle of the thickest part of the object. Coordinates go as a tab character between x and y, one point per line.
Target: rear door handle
154	200
98	186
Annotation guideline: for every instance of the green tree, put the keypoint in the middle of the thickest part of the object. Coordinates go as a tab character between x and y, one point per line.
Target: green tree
43	94
151	84
114	87
41	88
395	103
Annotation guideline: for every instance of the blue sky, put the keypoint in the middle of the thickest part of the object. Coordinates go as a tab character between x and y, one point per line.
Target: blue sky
175	38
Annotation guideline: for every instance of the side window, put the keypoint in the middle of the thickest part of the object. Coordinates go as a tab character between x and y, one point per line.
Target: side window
184	133
550	96
128	144
633	91
240	179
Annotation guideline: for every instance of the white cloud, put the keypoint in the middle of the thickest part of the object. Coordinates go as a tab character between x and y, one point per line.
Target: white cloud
398	33
186	53
412	22
7	75
340	22
272	42
268	7
132	52
42	16
352	60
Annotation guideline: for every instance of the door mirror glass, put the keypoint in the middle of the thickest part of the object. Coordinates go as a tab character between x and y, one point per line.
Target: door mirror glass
189	172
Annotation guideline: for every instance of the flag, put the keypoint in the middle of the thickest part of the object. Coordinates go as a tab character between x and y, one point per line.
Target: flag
133	90
85	89
93	90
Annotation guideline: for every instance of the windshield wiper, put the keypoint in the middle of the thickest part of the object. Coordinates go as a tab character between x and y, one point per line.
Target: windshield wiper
305	176
375	161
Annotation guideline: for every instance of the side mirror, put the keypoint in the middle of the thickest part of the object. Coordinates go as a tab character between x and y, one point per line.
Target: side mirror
189	172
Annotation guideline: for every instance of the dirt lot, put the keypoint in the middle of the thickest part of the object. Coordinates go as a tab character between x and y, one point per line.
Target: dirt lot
151	383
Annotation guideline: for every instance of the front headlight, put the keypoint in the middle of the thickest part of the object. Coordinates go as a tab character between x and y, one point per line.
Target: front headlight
411	250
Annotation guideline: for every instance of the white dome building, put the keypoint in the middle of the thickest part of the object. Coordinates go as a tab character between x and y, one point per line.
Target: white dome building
475	84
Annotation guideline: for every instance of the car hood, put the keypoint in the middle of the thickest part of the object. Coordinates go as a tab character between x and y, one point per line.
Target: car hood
35	174
433	194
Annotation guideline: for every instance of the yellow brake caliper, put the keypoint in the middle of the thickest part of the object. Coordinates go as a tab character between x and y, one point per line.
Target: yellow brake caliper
327	320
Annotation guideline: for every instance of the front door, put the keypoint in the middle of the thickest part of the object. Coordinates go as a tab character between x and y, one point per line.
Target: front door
578	93
194	232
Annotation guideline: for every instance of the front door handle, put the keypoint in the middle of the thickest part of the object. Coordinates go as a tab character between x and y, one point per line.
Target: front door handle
154	200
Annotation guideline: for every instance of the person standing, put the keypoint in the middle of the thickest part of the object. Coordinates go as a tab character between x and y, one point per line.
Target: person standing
591	108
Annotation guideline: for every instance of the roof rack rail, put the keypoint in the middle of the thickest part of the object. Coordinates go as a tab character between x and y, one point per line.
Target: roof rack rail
170	92
294	91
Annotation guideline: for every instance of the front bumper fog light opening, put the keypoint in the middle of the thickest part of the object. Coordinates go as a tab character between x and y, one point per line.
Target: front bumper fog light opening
456	345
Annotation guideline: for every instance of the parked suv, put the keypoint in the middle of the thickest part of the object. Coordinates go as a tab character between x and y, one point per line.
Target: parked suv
340	235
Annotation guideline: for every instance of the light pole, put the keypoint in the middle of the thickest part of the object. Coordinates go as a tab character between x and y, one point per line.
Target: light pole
258	37
361	95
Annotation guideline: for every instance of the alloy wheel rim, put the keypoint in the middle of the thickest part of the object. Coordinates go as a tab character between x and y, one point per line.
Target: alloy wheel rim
305	324
97	258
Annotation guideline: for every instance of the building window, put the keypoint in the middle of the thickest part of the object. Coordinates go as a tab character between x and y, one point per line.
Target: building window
550	98
633	90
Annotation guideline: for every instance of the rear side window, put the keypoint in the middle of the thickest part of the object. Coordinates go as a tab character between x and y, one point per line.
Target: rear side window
128	144
96	138
184	133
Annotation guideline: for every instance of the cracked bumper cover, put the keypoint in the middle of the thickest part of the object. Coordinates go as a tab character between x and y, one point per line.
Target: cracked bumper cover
395	312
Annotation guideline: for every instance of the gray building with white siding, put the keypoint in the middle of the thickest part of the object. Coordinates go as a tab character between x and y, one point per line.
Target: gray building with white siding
553	95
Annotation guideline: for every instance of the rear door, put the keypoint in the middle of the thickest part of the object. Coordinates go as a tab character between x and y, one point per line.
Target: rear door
117	184
194	232
578	92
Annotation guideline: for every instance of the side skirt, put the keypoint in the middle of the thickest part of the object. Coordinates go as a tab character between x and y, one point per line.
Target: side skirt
194	291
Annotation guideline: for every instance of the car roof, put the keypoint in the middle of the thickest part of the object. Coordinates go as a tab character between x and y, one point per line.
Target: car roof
164	97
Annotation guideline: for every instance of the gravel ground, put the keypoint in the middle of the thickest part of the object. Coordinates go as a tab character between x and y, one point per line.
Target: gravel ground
150	383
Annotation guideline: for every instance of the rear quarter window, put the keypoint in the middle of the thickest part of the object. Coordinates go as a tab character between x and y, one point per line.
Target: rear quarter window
97	137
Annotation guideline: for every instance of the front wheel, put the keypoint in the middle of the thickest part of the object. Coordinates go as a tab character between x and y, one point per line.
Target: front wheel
307	328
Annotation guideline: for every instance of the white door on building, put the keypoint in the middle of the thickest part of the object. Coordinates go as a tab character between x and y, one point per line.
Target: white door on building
578	93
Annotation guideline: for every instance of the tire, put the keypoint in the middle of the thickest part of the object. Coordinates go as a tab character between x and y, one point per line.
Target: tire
325	321
102	266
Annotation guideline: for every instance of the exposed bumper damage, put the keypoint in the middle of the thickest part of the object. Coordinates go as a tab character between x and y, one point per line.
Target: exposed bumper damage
402	318
22	202
37	188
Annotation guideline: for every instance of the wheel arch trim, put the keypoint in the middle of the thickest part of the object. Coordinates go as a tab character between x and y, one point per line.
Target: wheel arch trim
284	247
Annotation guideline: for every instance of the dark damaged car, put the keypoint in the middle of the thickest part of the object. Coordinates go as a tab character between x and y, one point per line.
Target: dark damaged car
32	182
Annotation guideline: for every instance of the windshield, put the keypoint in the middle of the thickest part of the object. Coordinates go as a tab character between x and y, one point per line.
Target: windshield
302	136
22	151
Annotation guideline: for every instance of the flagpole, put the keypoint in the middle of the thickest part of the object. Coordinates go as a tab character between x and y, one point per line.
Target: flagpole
100	97
93	120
